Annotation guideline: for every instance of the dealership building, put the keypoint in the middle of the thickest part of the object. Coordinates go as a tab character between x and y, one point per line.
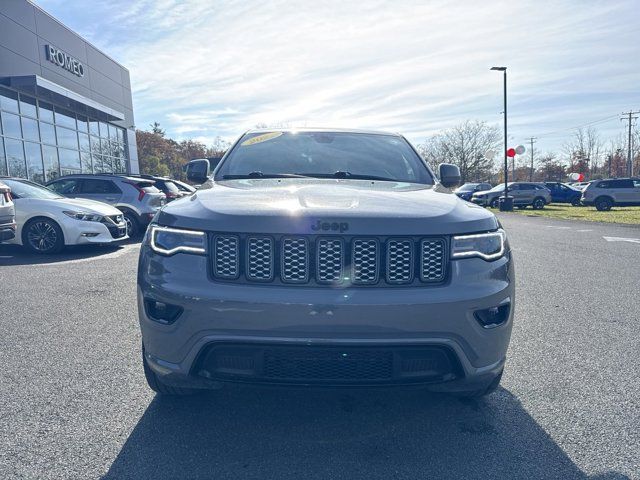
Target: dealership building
65	106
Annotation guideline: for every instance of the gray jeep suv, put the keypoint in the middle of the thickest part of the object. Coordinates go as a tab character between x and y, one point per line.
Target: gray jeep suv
524	194
324	257
137	198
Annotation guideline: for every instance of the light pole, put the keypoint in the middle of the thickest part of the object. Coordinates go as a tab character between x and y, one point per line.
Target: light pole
505	204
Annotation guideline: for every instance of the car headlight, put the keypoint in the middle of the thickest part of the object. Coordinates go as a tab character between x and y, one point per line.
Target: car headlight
168	241
84	216
488	246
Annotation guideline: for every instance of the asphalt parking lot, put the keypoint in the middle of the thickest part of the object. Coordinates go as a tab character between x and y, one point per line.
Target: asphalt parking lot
74	403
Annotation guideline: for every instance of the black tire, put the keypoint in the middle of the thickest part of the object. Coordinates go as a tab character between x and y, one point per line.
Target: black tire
538	203
133	226
493	386
576	202
495	203
603	204
42	236
157	386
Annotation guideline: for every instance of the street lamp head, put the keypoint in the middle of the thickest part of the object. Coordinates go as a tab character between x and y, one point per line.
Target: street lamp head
501	69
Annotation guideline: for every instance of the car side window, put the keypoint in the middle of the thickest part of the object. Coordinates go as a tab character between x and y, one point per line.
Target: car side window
99	186
636	183
514	187
526	186
65	187
604	185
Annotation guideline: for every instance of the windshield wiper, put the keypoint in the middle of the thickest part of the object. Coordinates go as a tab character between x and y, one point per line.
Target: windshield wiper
262	175
354	176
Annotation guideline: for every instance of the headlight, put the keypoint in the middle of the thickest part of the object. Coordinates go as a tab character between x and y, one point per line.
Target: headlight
488	246
87	217
168	241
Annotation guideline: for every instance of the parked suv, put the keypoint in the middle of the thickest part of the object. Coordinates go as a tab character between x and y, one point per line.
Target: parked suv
166	185
524	194
563	193
137	198
7	214
605	194
467	190
324	257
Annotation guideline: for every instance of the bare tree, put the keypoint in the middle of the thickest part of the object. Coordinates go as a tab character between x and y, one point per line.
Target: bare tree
464	145
584	150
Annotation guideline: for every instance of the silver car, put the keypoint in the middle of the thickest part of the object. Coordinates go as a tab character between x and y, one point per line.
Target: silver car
604	194
137	198
524	194
325	257
7	214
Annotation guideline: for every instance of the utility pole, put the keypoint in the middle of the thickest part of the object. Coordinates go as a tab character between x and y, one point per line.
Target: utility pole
630	118
531	141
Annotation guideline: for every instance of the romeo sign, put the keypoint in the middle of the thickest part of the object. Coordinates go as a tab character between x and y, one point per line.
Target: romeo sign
64	60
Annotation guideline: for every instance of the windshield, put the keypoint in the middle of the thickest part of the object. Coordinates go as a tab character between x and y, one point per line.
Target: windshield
26	189
498	188
325	155
468	187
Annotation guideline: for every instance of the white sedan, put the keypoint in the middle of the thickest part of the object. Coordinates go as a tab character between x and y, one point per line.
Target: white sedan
46	221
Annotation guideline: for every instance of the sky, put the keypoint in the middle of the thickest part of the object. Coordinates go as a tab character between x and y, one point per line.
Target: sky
217	68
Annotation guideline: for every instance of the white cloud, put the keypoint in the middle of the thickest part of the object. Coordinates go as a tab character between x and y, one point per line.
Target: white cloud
205	68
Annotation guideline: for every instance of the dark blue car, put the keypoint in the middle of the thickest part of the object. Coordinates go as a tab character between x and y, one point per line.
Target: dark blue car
468	189
563	193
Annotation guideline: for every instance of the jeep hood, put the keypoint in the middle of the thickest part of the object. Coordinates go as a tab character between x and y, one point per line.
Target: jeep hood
293	206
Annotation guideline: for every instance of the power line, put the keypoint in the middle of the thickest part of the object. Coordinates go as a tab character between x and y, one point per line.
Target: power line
546	134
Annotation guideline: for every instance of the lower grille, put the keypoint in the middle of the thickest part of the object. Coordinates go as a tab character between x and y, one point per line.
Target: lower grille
327	364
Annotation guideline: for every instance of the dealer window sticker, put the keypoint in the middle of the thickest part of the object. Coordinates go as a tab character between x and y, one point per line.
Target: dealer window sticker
261	138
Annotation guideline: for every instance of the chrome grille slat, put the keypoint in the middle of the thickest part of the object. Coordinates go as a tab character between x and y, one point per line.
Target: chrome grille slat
364	261
329	260
295	260
432	266
259	258
399	261
225	257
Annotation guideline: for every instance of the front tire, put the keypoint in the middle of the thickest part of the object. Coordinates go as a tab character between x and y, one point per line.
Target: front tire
576	202
603	204
42	236
538	203
495	203
157	386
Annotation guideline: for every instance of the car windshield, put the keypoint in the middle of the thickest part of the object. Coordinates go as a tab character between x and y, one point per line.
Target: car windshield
468	187
498	188
324	155
26	189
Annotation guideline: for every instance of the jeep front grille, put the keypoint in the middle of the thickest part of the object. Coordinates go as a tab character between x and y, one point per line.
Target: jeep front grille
302	259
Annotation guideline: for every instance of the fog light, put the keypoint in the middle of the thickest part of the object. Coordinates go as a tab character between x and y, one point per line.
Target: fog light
494	316
162	312
90	235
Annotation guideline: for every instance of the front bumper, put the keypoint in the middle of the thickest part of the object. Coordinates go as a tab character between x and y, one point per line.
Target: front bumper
77	232
480	201
269	316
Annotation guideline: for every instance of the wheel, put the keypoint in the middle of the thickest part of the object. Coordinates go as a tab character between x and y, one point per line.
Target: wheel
575	202
538	203
495	203
603	204
157	386
133	227
493	386
43	236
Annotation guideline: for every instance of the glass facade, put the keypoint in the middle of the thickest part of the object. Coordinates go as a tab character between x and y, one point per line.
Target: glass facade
40	141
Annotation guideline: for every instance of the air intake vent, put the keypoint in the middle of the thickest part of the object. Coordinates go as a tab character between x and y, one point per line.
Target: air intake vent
432	260
399	261
225	256
364	260
330	260
260	258
295	260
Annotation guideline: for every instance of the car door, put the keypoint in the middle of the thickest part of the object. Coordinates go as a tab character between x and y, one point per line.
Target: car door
623	190
526	193
101	189
67	187
514	191
557	192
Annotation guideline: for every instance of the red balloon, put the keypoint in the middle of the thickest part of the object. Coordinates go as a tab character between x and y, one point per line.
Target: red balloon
511	152
581	177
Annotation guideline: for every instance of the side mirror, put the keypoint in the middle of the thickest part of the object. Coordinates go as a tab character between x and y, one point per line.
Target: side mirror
198	170
449	175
